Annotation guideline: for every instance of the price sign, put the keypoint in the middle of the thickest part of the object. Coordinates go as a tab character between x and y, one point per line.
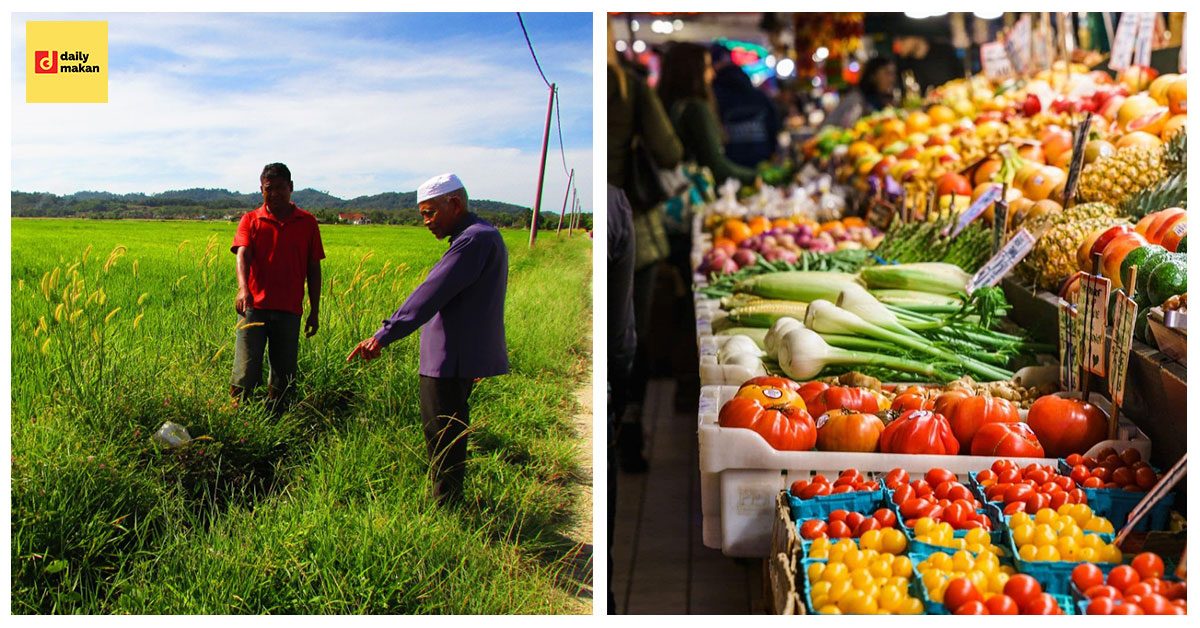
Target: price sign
1094	292
1017	44
1003	261
994	60
1125	316
1123	41
1067	372
1145	34
989	196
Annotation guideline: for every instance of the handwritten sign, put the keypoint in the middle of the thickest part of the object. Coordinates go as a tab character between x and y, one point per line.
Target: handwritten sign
988	197
1145	34
1017	44
994	60
1125	316
1123	42
1094	292
1067	372
1043	44
1081	135
1003	261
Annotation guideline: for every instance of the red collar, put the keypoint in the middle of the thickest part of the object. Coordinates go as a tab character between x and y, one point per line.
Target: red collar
264	213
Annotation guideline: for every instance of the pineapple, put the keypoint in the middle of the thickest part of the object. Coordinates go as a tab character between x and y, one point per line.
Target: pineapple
1169	192
1115	178
1053	258
1175	153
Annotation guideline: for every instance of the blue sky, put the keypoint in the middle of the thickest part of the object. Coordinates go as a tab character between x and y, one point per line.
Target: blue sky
354	103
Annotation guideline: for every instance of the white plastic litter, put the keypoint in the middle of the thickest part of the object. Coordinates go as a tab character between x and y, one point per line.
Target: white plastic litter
171	435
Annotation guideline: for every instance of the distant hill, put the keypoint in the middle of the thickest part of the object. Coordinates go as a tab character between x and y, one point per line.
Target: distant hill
215	203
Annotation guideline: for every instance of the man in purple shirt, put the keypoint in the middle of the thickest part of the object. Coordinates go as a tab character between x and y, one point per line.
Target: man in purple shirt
461	308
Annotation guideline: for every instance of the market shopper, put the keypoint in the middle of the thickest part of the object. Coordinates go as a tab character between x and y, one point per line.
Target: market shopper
749	117
685	87
460	311
636	118
875	91
278	249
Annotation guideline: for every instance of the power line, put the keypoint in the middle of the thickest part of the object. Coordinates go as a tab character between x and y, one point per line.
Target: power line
531	52
558	119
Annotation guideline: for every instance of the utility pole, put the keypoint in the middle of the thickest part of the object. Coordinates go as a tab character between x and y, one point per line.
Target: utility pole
537	202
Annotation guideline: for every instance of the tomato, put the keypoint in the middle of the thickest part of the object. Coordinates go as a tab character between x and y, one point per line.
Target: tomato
1018	493
1040	604
1145	478
903	493
1008	476
1036	502
816	489
841	398
1112	462
1106	452
1086	576
870	523
1065	426
1177	591
918	432
958	491
915	508
1058	499
1148	565
960	591
895	478
813	529
1074	459
955	515
986	477
1006	439
1014	507
1103	590
967	413
1063	482
1093	483
911	401
1155	604
974	607
1022	588
1130	456
844	488
770	380
937	476
810	390
1003	465
1102	473
1138	589
1127	609
1122	577
922	488
853	519
1101	606
838	515
786	429
847	430
770	395
886	517
838	530
1001	604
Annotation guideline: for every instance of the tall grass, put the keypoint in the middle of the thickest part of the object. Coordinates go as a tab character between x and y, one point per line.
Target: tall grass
119	326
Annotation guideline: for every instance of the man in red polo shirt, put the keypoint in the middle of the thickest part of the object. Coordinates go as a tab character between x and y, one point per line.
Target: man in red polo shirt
278	248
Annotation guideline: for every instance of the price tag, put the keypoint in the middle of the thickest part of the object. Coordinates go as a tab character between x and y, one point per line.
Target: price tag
1067	373
1003	261
1081	135
1017	44
1094	292
1145	34
1043	44
1122	342
1123	41
989	196
994	60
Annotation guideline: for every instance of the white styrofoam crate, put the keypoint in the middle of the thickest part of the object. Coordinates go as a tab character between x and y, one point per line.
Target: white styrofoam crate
740	474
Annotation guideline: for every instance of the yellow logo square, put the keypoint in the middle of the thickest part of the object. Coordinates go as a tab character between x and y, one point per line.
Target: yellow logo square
66	62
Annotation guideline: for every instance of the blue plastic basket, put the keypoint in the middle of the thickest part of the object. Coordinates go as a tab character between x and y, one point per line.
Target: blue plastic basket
1055	576
1065	602
853	501
1116	504
913	590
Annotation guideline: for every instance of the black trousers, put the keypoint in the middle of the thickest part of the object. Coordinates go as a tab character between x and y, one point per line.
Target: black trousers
445	416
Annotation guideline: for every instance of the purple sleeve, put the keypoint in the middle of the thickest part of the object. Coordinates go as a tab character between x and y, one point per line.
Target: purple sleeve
458	268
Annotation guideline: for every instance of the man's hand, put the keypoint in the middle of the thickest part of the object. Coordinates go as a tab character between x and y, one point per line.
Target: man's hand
368	350
243	301
311	325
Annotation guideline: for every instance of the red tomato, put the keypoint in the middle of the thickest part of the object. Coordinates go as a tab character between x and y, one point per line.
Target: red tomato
1008	476
974	607
911	401
853	519
1177	591
1006	439
915	508
1106	452
1076	496
1093	483
895	477
1127	609
1146	478
1058	499
1002	605
838	515
1112	461
1038	476
814	490
838	530
1103	590
1130	456
813	529
841	398
1086	576
1122	577
844	488
1088	462
985	477
848	430
967	414
955	515
1018	493
1101	606
870	523
798	486
918	432
960	591
1074	459
1049	488
1155	604
1065	426
1022	588
1148	565
1013	508
1124	476
1040	604
1138	589
922	488
1002	465
886	517
937	475
787	428
903	493
820	478
1080	473
1063	482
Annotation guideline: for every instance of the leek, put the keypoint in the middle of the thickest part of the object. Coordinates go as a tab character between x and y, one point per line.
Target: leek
803	354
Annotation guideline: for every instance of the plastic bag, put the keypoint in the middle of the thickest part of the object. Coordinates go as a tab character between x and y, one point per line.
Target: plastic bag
171	435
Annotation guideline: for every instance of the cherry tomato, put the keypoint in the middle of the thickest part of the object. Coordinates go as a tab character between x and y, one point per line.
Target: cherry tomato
1022	588
1106	452
1138	589
854	518
1146	478
986	476
1058	499
853	474
1038	475
1076	496
1112	462
870	523
922	488
1093	482
838	515
1074	459
838	530
1013	508
938	476
814	490
974	607
1040	604
1099	591
1124	476
1001	465
1155	604
1127	609
1148	565
1101	606
1002	605
1009	475
1036	502
960	591
841	489
895	477
1102	473
1018	493
1064	482
1088	462
915	508
1122	577
903	493
813	529
958	491
798	486
1086	576
886	517
1177	591
1131	455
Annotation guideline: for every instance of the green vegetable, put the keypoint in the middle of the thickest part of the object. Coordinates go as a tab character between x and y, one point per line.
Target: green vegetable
1145	258
935	277
1167	279
804	354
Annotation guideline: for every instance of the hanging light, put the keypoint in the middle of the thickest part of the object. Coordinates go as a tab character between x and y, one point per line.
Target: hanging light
785	68
988	15
678	24
821	54
770	61
634	26
639	46
621	45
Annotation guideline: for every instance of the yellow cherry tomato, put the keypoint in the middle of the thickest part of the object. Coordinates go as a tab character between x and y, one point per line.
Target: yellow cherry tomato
912	606
814	571
893	541
1087	554
829	609
902	567
836	572
839	590
1048	553
1110	554
1028	552
1023	534
1044	535
891	598
1044	515
871	540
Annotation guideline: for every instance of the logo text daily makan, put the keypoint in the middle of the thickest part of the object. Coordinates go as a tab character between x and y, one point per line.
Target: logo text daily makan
79	56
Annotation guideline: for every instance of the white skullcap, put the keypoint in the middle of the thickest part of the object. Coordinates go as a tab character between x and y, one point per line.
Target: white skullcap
437	186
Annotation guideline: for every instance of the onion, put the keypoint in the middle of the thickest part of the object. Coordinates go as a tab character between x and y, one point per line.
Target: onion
744	257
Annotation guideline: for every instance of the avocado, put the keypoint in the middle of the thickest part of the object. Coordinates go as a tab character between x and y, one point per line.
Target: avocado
1167	279
1141	328
1153	257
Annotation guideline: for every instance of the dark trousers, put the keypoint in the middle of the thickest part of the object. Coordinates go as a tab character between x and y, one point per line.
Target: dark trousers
445	417
276	333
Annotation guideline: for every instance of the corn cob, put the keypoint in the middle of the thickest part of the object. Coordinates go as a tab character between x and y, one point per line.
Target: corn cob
766	313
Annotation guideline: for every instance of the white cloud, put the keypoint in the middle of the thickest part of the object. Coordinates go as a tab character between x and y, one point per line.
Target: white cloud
352	123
